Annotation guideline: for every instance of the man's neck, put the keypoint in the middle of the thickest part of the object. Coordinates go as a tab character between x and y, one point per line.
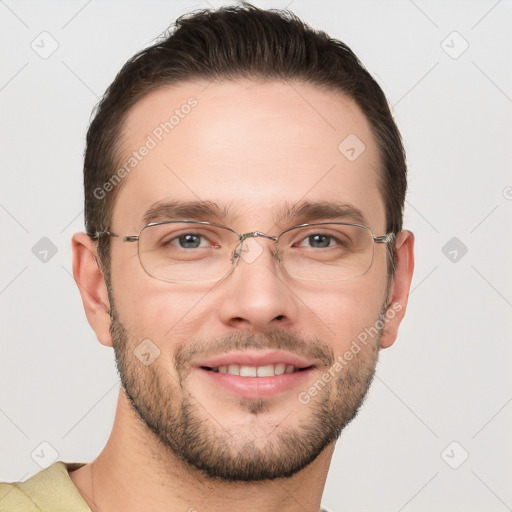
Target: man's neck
134	473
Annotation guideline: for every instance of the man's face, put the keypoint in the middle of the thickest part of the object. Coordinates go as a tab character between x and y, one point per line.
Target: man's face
252	149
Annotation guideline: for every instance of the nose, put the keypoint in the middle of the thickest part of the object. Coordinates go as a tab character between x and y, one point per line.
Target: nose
257	295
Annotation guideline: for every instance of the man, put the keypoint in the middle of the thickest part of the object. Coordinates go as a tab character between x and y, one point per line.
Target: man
245	258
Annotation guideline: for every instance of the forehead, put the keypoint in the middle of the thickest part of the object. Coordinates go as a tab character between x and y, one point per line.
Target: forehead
254	150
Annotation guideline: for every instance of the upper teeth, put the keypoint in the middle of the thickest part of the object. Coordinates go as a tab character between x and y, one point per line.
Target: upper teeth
268	370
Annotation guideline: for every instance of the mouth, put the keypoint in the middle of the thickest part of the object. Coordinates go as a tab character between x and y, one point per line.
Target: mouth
256	374
268	370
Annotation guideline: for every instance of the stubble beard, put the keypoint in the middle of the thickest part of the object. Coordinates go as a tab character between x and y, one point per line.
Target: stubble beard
174	416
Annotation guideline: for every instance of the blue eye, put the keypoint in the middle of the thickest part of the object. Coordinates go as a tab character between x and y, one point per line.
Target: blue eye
319	241
187	241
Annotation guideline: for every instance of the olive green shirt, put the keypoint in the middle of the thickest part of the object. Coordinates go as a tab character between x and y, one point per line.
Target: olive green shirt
50	490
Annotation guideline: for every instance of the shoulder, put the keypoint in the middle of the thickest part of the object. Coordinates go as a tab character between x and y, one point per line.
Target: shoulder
13	498
50	490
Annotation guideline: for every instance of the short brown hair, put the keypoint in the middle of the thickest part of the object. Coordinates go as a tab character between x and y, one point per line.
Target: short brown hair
234	43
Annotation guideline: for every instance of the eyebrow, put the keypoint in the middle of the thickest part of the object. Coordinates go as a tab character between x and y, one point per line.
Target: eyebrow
317	211
298	213
193	210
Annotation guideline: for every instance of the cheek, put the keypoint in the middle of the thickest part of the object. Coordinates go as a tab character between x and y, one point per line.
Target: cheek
159	311
339	315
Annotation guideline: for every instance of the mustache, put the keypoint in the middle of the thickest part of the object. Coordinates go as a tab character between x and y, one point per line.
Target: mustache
310	348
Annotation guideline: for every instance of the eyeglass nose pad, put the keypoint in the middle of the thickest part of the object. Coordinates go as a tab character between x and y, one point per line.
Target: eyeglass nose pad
235	255
249	249
237	251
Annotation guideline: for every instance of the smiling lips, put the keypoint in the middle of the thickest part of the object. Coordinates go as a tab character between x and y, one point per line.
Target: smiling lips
256	363
256	374
268	370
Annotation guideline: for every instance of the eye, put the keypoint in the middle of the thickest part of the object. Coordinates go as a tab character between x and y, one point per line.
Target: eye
319	241
188	241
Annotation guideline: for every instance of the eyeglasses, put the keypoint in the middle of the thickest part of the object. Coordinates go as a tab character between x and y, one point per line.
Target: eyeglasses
199	251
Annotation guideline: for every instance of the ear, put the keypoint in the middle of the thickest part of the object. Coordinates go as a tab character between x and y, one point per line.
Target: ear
399	289
91	283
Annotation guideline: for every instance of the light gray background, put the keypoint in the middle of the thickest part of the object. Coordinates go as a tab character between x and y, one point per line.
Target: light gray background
448	376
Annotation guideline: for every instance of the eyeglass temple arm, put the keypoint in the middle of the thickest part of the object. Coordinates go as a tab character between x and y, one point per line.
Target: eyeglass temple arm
131	238
384	239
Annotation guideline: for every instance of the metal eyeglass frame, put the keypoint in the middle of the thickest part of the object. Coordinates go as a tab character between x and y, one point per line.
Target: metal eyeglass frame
383	239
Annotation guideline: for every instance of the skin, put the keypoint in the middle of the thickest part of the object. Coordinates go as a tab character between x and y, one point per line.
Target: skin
254	146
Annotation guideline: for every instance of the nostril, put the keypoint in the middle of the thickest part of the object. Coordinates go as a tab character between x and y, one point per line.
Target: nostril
279	317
